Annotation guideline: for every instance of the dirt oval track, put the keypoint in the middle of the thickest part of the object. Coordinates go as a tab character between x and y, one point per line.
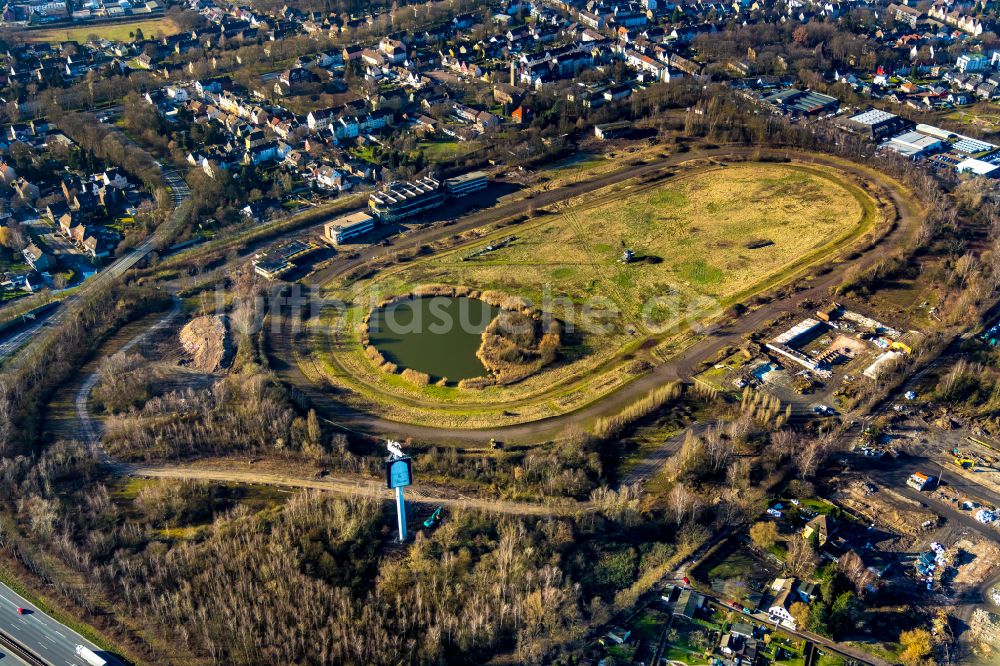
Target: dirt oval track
282	345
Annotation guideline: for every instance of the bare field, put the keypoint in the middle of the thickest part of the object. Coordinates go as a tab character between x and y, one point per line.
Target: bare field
123	31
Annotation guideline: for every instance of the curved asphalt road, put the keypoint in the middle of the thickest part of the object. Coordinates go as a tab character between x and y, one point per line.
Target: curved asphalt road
282	345
10	345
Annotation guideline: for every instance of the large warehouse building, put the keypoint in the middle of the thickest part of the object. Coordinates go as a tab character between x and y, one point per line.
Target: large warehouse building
878	125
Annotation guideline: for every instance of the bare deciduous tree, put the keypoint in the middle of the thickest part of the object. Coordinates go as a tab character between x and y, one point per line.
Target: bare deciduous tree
683	505
801	559
854	569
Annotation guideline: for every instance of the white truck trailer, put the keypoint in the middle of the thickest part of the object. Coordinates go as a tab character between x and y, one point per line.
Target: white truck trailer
89	656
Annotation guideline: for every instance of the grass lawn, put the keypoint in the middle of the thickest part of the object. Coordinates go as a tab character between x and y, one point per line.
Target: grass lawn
791	651
126	489
700	239
12	262
645	441
183	533
739	564
123	224
684	654
366	153
446	151
889	651
716	375
622	653
819	506
262	497
118	32
703	239
648	625
583	161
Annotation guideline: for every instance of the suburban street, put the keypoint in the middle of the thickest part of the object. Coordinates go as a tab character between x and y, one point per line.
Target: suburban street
39	633
179	193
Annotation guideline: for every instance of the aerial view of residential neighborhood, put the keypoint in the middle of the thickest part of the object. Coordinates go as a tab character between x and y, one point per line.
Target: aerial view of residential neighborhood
500	332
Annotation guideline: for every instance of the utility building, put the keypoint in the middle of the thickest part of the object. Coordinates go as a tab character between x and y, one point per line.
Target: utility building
282	258
879	125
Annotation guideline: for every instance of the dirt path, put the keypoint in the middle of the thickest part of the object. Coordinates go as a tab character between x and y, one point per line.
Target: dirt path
88	429
283	344
649	466
354	487
63	416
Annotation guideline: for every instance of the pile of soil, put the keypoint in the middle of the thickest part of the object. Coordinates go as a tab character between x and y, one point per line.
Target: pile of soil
207	340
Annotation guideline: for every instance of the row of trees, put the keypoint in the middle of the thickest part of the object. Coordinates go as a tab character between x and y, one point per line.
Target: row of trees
111	146
26	385
571	467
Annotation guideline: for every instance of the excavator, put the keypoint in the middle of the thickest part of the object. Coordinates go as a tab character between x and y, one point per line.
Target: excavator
434	519
970	461
964	461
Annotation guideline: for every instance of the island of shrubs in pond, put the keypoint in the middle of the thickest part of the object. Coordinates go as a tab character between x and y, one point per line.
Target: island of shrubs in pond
518	342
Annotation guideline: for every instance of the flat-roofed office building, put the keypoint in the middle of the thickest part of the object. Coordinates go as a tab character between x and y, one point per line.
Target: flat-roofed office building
347	227
466	184
401	200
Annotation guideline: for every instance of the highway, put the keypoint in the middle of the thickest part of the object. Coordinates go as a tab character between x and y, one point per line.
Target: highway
11	659
179	193
54	643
